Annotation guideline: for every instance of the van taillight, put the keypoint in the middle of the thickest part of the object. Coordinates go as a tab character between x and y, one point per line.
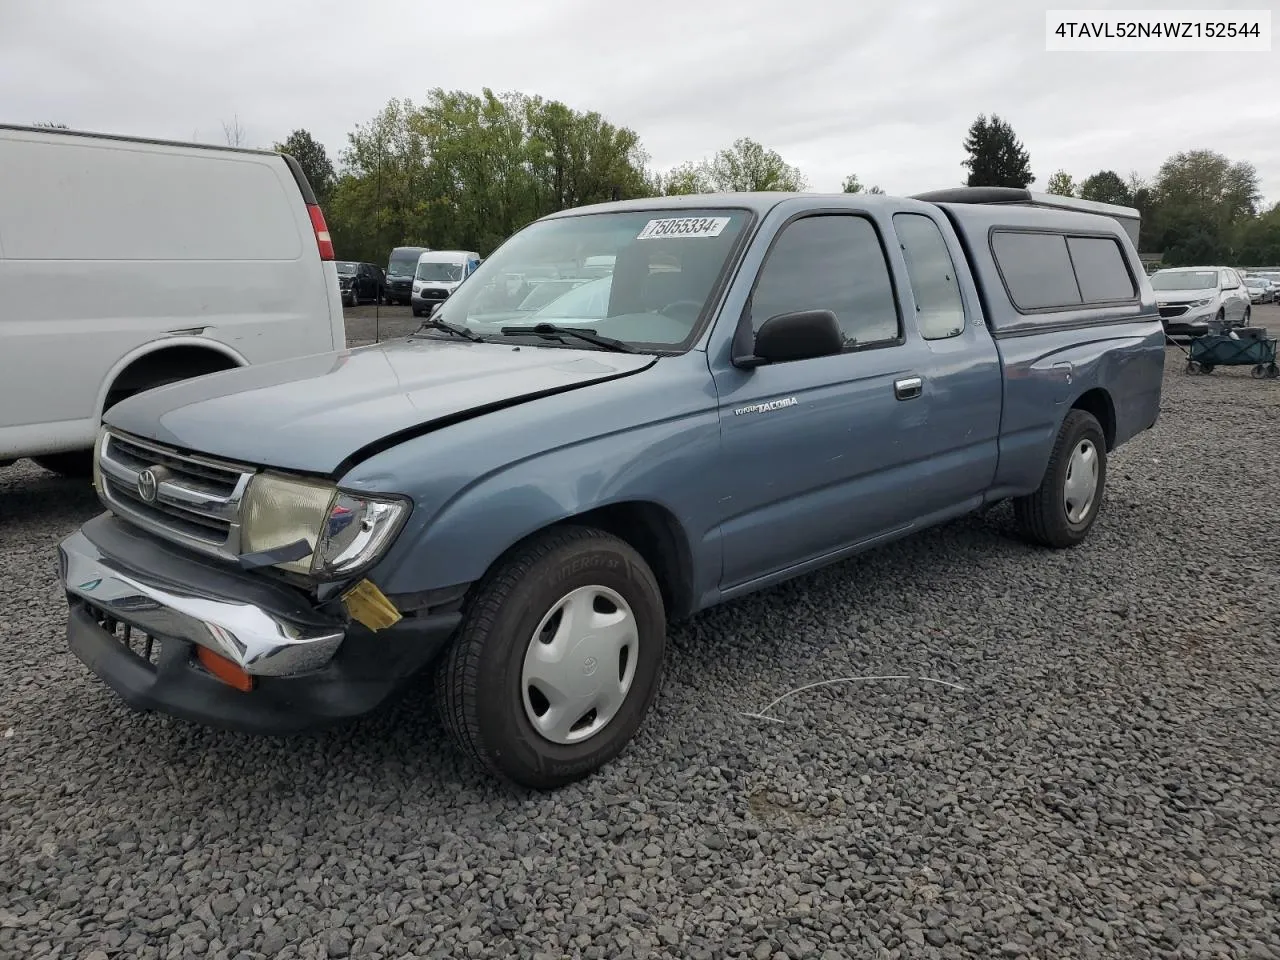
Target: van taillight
322	232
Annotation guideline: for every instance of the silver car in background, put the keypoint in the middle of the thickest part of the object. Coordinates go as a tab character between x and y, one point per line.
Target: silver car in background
1191	298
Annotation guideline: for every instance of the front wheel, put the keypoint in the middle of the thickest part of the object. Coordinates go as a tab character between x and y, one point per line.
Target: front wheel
1062	512
417	311
558	659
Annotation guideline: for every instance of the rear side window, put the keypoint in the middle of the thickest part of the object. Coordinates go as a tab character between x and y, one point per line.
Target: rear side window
830	262
932	272
1100	269
1047	271
84	201
1036	269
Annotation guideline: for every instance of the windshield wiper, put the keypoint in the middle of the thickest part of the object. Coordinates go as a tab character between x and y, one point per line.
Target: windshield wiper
434	323
552	331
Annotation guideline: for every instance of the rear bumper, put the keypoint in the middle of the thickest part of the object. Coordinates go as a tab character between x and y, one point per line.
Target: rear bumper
310	669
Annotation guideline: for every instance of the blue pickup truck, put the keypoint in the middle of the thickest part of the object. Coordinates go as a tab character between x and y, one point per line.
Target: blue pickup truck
520	498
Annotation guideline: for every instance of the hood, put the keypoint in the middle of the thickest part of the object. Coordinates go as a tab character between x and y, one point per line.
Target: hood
1185	296
314	414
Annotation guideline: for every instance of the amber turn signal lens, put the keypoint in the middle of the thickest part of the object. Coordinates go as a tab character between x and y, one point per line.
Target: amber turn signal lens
224	669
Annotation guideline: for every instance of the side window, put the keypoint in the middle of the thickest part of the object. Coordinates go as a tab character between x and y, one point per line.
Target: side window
830	262
1101	269
1036	269
932	272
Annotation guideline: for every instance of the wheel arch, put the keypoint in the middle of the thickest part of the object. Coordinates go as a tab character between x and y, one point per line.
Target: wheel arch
1098	402
197	354
652	530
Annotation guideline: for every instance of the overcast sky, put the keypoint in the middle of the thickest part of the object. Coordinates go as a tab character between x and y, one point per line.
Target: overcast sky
884	90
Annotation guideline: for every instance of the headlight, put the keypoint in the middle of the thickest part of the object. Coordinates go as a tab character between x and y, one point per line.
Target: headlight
1200	303
345	532
417	288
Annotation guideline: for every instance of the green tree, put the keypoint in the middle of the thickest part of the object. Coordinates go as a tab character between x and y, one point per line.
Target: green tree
465	170
1062	184
1106	186
687	178
380	200
853	185
1259	239
996	156
748	166
313	159
1200	202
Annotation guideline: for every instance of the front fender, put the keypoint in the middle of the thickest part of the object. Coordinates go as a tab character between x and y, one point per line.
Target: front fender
485	484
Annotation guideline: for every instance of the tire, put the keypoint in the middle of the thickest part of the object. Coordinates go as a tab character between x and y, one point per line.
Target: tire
1248	315
487	686
417	311
77	464
1259	371
1045	517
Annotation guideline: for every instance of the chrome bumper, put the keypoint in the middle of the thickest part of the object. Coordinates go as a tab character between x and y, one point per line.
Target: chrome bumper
261	642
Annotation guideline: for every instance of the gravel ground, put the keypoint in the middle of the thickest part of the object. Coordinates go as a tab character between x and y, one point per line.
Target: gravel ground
1097	777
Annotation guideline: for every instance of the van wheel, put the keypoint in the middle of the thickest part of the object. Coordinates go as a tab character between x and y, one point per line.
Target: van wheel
77	464
558	659
417	311
1062	512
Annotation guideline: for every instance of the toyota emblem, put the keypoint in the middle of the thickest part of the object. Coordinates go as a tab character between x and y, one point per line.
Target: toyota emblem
147	486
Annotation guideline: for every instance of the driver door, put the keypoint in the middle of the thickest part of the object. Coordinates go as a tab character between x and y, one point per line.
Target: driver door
814	450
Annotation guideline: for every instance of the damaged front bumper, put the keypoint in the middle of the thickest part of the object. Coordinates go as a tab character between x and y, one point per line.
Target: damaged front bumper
140	609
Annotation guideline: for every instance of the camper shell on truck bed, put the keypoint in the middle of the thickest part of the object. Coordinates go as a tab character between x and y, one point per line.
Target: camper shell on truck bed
761	385
1128	217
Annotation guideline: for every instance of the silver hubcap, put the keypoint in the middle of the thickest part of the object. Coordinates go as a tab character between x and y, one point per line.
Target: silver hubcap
1081	488
580	664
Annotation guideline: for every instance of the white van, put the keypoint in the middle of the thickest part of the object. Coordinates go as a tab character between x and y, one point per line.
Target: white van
438	275
127	264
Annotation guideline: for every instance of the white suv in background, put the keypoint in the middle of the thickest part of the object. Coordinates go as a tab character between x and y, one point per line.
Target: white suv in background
1190	298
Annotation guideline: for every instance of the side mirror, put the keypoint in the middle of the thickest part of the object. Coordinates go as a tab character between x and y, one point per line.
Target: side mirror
802	335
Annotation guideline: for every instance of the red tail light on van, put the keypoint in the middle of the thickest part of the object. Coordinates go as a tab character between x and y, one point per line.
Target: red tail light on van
322	232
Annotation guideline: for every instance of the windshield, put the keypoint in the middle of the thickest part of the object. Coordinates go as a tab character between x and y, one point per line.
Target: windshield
346	268
1190	280
586	301
439	271
659	269
403	264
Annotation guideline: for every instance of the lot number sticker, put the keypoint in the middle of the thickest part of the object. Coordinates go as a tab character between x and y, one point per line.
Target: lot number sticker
683	227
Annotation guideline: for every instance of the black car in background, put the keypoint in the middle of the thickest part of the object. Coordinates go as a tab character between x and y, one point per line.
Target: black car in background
400	270
359	282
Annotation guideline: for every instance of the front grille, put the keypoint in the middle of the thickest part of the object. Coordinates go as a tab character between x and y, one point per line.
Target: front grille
194	500
434	294
1174	311
142	645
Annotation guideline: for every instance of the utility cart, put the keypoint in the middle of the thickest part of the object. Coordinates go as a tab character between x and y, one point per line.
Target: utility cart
1242	347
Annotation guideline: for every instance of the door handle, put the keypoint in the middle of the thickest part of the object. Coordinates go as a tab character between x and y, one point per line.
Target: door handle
908	388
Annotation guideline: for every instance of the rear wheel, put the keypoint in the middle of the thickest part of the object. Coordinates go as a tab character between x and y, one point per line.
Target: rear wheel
558	660
1062	512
